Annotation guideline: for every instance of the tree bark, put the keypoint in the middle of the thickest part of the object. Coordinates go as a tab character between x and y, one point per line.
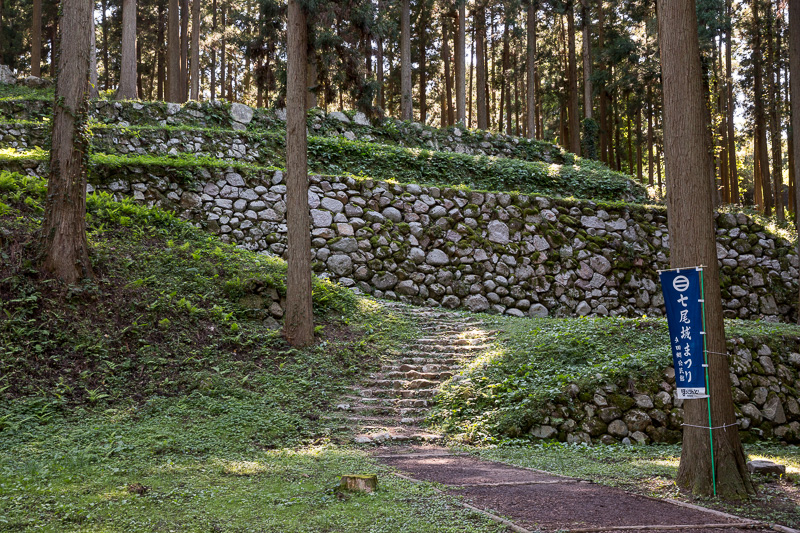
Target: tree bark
448	117
195	60
461	37
505	88
161	66
760	123
587	59
693	242
480	74
423	20
773	73
65	251
650	156
530	94
212	82
572	78
36	39
184	50
794	89
380	75
406	106
127	77
732	170
222	55
299	322
639	165
173	53
106	59
94	89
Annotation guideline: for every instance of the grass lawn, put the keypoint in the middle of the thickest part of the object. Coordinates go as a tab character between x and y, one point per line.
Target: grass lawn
181	465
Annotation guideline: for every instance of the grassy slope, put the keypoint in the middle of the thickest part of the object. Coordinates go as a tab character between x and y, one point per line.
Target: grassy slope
506	390
162	372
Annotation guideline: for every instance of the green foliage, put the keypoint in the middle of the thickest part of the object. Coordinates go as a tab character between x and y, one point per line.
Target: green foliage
157	316
505	391
590	138
584	179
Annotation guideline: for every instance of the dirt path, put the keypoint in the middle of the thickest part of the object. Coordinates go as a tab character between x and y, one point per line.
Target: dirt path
538	501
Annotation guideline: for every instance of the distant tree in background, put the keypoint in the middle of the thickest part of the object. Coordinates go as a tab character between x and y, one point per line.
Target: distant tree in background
127	79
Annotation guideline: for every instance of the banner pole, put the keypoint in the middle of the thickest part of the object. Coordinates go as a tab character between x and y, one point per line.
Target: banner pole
708	384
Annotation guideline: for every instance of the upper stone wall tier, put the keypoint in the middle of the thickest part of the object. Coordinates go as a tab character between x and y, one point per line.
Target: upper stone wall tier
349	125
498	253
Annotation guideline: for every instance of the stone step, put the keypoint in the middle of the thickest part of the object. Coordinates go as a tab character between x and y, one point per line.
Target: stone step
423	368
413	374
421	360
372	395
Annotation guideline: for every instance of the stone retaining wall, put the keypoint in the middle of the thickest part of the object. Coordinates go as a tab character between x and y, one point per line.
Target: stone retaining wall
765	375
493	252
353	126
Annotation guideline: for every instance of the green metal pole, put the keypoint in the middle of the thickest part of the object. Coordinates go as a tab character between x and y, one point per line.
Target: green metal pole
708	384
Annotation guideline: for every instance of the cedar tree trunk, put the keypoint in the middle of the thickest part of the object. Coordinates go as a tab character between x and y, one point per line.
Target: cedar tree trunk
194	68
794	67
36	39
693	242
65	252
299	322
127	75
461	94
406	108
173	53
530	94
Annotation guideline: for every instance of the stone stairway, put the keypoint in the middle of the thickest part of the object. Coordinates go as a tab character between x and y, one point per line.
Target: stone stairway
391	405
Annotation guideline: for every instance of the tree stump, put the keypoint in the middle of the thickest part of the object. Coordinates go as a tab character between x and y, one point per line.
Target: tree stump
366	483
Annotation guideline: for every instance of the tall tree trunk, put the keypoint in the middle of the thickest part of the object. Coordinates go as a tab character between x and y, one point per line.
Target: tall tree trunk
586	22
65	251
572	77
448	78
732	169
423	20
406	107
311	80
603	103
212	82
639	164
127	77
774	75
794	67
173	53
480	46
460	71
94	89
471	76
106	59
222	55
36	39
693	242
792	205
628	132
650	156
505	89
139	77
380	75
161	66
195	61
530	94
184	50
299	322
758	104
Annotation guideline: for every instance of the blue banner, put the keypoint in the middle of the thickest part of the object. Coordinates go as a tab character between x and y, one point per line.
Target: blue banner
682	297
